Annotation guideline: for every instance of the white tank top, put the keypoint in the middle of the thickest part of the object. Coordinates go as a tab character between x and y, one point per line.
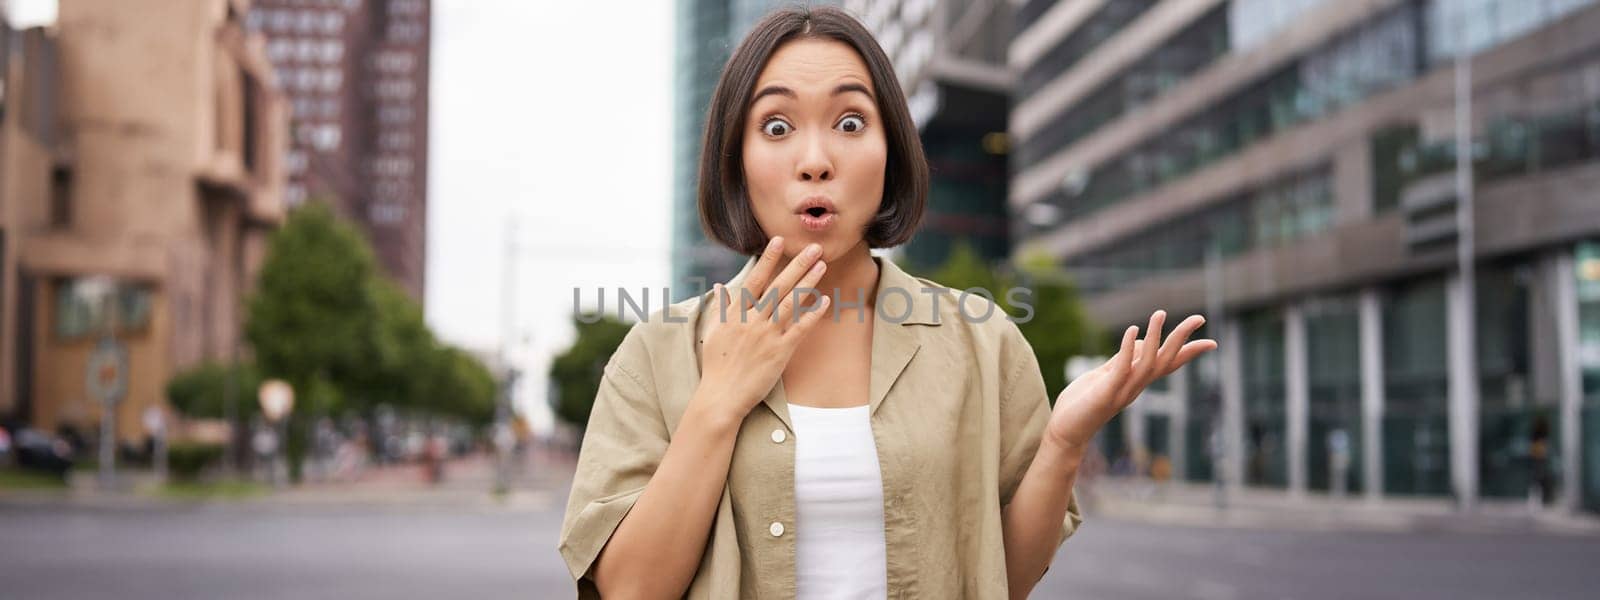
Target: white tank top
838	493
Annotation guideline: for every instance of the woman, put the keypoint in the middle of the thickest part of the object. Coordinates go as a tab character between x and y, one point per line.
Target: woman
877	440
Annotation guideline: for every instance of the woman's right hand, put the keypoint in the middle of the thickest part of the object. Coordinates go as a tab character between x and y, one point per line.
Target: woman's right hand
747	347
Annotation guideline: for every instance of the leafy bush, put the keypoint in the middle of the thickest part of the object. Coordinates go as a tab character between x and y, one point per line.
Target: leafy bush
187	460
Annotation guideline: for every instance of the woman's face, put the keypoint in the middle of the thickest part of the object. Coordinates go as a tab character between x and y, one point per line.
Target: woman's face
814	147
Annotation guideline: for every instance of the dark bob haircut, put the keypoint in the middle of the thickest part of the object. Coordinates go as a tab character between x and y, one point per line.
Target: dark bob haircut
725	212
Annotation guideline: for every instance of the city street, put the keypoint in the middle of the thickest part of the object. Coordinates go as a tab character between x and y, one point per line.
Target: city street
274	550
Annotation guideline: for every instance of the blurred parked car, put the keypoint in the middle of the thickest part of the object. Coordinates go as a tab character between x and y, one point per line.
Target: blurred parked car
38	451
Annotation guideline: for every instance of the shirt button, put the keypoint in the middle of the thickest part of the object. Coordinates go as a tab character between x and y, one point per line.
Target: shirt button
778	436
776	529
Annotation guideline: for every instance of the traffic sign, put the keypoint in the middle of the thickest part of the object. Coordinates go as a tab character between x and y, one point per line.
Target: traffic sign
106	376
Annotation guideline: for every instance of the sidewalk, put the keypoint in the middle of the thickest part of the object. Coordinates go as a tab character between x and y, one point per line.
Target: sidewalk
537	482
1194	504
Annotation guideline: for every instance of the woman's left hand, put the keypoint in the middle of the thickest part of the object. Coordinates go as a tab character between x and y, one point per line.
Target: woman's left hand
1093	398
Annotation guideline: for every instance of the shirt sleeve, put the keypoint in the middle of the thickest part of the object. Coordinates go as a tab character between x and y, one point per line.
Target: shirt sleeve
1024	412
622	445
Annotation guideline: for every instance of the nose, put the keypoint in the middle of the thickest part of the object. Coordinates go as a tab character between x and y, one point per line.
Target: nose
814	163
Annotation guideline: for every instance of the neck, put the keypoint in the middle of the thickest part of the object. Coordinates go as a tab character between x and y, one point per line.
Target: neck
854	274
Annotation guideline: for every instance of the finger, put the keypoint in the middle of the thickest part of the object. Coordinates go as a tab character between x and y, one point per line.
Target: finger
1152	342
798	267
1124	357
762	273
1191	351
724	300
719	306
1175	341
786	311
807	322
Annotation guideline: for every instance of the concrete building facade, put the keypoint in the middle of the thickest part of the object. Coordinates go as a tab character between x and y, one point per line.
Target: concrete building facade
140	176
1289	169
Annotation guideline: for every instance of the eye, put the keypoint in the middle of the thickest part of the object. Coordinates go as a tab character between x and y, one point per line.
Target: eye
852	123
775	127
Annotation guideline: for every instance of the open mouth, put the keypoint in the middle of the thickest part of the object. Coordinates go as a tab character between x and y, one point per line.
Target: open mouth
816	213
816	218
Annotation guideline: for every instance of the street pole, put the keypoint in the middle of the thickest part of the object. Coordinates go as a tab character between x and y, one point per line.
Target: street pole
508	327
1463	406
1221	463
230	401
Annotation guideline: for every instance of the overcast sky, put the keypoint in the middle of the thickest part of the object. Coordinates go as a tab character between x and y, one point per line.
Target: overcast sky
559	113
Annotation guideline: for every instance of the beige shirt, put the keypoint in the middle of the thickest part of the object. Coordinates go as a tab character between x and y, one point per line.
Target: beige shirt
957	406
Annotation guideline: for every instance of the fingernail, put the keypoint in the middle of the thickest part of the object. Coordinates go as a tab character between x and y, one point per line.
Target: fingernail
813	250
774	242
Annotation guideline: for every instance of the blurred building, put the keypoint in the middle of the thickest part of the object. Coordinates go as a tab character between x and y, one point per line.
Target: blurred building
356	75
951	61
140	174
1288	167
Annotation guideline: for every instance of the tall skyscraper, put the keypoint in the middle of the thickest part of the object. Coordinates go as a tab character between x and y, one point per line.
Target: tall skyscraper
356	74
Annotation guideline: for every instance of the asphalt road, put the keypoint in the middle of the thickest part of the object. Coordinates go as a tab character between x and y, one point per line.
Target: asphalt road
253	551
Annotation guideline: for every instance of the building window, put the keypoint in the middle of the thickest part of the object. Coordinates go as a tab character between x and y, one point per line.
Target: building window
395	61
330	79
1262	355
87	307
395	114
400	89
332	51
385	213
332	22
279	50
405	32
325	137
395	140
392	166
61	197
406	7
295	161
282	20
305	21
391	190
1416	384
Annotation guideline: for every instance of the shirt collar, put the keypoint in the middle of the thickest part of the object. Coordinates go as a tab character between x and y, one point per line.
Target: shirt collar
894	341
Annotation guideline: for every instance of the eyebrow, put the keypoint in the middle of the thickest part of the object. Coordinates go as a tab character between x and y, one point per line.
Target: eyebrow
783	91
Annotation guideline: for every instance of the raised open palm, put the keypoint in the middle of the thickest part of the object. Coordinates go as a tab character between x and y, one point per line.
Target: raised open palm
1092	399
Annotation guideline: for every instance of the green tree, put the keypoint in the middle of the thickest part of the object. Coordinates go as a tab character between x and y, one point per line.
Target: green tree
1058	327
313	320
313	315
460	386
576	372
201	391
346	338
402	351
